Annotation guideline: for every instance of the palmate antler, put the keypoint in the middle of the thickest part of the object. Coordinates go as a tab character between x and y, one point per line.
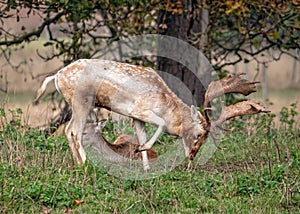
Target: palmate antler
238	109
230	84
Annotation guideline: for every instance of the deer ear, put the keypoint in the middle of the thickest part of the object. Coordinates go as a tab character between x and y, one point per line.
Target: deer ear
195	114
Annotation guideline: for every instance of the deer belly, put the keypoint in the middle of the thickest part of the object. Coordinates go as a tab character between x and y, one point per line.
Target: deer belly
114	98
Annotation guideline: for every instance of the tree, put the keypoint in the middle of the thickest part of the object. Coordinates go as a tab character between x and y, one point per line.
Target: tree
182	20
248	29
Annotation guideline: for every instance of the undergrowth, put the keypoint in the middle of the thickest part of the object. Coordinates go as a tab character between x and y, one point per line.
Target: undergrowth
256	170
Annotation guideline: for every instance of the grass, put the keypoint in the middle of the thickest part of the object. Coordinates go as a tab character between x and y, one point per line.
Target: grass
255	171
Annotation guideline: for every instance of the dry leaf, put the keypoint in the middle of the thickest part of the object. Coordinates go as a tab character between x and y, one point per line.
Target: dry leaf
78	202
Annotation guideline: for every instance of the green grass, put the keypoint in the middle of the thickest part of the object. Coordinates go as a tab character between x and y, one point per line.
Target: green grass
255	171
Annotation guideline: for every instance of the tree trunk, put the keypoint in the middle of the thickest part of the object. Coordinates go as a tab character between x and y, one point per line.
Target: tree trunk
186	21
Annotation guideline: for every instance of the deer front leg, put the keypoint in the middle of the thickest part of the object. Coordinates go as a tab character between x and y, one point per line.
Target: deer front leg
154	119
141	135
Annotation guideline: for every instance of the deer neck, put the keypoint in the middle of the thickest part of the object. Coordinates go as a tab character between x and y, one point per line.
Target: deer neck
187	121
179	119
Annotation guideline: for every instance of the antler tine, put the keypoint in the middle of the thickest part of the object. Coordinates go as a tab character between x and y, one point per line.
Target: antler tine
218	124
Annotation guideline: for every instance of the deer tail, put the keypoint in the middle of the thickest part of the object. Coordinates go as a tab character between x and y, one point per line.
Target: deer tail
43	87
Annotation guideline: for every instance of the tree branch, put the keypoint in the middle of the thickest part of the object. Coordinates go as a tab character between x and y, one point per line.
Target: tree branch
37	33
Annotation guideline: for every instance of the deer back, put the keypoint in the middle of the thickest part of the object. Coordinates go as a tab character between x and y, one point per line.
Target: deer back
123	88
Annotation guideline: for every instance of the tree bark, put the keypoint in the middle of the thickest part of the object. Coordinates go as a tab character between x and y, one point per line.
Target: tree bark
186	21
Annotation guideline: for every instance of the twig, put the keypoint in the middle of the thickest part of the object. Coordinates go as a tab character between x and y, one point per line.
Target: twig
269	162
287	178
55	191
132	205
278	150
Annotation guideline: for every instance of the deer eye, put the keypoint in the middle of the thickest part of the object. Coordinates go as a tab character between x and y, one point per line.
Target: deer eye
197	136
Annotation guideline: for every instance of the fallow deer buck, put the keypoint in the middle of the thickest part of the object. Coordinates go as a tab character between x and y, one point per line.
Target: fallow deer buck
122	149
141	94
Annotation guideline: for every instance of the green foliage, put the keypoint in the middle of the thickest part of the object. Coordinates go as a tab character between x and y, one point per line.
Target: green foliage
261	25
239	27
257	170
79	24
287	116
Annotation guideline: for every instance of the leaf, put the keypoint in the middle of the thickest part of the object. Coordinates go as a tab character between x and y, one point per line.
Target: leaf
77	202
275	35
68	210
2	112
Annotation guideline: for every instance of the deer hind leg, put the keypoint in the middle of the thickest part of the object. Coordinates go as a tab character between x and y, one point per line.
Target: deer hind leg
81	109
141	135
78	158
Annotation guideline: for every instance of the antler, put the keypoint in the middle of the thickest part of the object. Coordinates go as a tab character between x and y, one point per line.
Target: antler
238	109
231	84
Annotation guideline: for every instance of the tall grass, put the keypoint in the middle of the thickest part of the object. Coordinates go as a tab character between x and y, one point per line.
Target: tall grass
256	170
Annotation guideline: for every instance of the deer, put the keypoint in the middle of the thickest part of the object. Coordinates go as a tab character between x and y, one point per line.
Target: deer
121	149
141	94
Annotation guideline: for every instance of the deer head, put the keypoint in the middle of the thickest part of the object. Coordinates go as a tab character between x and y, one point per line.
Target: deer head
194	133
203	124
